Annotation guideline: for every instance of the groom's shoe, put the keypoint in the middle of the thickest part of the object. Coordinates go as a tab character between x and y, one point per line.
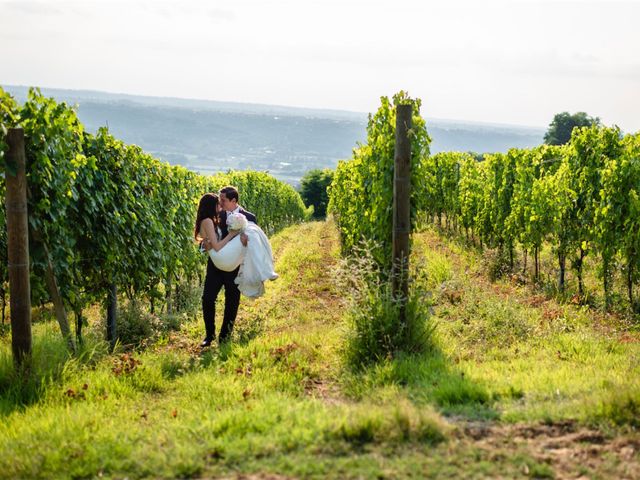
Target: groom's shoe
206	342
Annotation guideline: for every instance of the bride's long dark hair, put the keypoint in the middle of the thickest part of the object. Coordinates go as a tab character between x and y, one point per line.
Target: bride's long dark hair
207	208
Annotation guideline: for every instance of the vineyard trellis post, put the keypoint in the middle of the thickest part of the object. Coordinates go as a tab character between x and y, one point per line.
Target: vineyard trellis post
18	247
401	203
112	312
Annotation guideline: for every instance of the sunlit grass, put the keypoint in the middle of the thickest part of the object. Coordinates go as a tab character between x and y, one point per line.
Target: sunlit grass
280	398
535	358
169	410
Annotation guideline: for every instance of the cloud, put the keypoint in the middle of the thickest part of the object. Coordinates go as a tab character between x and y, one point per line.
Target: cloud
185	9
220	15
32	7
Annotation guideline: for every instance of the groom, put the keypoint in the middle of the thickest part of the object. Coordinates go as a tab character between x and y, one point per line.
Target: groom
216	278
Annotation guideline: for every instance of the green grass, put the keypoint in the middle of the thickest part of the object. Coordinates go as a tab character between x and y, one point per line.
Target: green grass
536	358
281	400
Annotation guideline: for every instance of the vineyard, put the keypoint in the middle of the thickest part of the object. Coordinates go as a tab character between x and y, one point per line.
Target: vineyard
491	366
105	214
579	202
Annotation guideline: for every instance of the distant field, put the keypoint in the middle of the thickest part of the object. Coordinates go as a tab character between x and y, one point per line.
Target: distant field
287	142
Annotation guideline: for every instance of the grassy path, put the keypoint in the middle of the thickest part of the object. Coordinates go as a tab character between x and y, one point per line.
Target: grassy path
507	393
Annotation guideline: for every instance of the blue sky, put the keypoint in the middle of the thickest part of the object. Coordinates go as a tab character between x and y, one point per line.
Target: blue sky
500	61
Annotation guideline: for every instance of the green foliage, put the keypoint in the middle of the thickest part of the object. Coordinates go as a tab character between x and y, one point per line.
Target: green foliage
562	125
580	197
105	213
556	202
617	209
8	114
313	190
469	191
53	144
532	208
496	204
441	174
361	194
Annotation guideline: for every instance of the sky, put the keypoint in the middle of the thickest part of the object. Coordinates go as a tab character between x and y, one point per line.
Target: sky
500	61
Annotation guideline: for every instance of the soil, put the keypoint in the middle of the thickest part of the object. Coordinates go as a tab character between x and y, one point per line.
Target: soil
572	451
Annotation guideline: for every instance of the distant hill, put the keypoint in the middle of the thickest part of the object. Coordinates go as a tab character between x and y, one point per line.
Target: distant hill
209	136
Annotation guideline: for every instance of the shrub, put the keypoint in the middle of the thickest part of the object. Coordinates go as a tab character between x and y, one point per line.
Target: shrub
136	327
376	329
495	263
313	190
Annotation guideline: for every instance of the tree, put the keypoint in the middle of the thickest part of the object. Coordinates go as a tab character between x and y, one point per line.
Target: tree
313	190
563	124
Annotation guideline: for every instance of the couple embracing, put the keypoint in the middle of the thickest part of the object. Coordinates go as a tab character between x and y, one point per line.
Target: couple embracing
239	258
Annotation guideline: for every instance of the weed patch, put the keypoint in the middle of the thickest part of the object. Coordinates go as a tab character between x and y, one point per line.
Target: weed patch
381	326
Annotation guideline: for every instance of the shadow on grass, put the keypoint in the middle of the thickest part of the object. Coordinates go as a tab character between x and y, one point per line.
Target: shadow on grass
24	386
432	378
429	378
50	358
18	388
391	341
217	354
251	327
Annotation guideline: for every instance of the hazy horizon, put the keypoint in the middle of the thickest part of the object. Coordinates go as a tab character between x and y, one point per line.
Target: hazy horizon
291	107
209	137
505	62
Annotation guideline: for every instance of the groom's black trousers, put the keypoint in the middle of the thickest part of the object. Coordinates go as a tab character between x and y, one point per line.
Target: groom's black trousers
213	282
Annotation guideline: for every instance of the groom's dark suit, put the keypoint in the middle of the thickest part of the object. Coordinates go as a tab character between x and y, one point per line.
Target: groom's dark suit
213	282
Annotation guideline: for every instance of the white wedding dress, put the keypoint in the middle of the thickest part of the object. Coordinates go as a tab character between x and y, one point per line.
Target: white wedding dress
255	261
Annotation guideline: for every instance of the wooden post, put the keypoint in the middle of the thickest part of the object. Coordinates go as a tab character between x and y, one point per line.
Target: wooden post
112	309
18	248
79	321
401	202
167	296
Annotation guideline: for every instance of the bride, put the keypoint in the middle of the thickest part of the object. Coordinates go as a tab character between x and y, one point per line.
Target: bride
227	254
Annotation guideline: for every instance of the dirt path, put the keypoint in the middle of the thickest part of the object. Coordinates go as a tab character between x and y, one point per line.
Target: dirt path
569	450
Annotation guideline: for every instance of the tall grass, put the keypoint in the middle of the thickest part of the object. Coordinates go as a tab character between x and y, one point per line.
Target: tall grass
377	328
50	360
532	355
